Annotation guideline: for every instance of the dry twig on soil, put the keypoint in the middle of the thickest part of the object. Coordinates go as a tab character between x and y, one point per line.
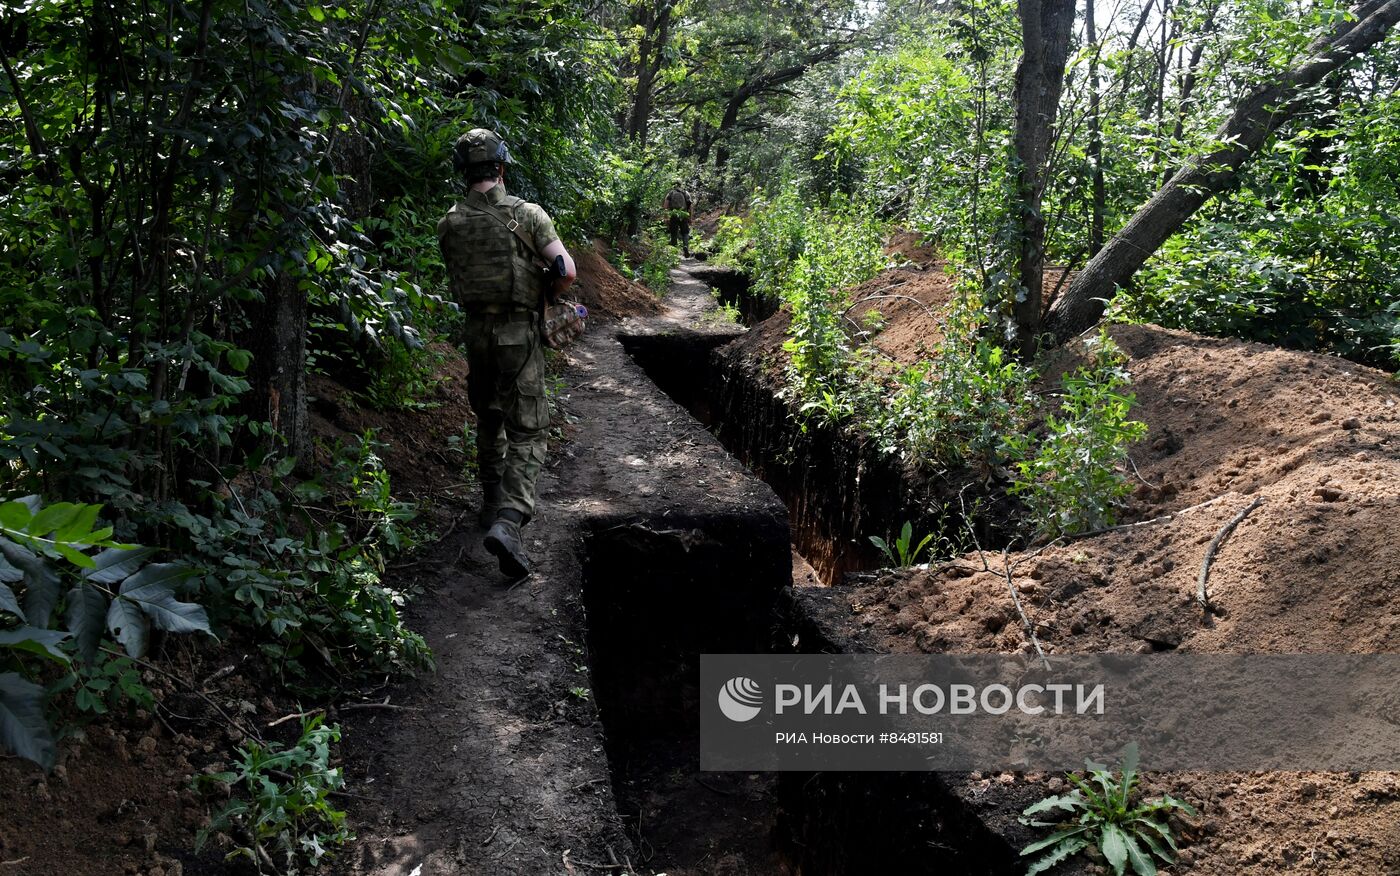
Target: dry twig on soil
1016	599
350	707
1201	595
189	686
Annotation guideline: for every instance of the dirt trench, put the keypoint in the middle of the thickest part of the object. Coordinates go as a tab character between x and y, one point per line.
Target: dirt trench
559	732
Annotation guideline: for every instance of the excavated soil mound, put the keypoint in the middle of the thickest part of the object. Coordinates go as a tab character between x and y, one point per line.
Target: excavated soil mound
604	291
910	300
1314	568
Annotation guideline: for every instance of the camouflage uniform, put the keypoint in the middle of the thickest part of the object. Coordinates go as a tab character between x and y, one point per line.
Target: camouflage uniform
678	204
499	288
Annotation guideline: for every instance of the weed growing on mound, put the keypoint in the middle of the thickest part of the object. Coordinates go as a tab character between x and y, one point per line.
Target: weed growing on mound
1101	813
903	552
282	818
1071	479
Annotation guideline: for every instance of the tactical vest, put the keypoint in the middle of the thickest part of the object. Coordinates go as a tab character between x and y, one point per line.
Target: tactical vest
677	200
487	265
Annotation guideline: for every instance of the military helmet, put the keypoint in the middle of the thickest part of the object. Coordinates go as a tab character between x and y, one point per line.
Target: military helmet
478	145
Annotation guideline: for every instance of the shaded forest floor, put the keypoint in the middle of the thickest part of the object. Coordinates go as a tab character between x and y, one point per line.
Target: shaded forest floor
121	802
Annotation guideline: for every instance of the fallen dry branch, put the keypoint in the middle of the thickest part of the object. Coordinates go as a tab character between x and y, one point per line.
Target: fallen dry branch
293	716
351	707
1215	543
1162	519
189	686
1025	621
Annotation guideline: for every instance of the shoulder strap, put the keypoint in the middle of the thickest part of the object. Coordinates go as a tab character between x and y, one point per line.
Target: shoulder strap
511	225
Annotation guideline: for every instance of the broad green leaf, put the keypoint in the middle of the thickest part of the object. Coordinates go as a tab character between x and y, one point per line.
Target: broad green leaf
41	587
1161	829
8	601
86	619
9	574
239	360
37	641
923	544
116	564
1129	768
1053	838
15	516
153	589
79	529
1069	802
1141	862
1113	843
55	516
23	729
1155	845
75	556
1171	801
128	625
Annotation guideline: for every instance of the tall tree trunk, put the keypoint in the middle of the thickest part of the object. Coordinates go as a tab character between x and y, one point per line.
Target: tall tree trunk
1127	77
1187	86
650	58
1257	116
277	340
1095	150
1045	31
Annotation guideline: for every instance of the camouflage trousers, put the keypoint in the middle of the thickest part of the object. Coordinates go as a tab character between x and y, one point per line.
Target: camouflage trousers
505	385
678	225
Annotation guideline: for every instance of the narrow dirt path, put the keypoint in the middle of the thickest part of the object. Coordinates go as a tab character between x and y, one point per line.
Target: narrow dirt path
497	762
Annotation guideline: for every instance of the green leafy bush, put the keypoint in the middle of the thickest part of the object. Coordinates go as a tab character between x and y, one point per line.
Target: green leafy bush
731	242
655	270
1073	478
807	259
958	406
59	557
1101	812
282	817
312	586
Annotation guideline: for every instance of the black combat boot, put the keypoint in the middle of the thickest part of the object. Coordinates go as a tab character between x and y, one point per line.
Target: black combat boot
505	542
490	505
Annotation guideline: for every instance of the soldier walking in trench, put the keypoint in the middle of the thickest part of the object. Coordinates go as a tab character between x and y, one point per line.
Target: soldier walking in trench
502	253
680	212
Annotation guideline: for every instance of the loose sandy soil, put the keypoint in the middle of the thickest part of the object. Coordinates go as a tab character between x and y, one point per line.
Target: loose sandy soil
1315	568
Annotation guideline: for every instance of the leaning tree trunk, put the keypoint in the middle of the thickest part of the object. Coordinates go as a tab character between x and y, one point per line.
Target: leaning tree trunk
727	123
1208	174
1045	29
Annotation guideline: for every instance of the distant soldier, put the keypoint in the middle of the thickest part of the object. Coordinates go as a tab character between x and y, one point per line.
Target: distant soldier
680	212
496	248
